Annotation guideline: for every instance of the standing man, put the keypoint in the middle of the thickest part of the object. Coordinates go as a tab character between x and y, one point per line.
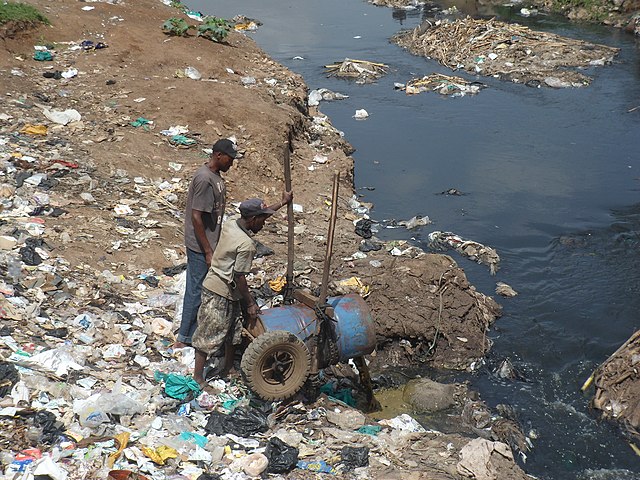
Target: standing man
206	202
225	293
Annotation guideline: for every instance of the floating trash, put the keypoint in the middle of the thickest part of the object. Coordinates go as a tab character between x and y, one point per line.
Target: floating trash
361	70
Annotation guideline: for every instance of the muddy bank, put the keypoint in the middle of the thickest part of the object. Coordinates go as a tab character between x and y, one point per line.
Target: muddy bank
99	200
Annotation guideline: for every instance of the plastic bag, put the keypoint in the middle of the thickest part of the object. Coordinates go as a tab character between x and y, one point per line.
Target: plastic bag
8	377
354	457
282	457
177	386
363	228
242	422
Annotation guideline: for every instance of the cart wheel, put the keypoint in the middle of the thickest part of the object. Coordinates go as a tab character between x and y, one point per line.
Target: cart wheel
276	365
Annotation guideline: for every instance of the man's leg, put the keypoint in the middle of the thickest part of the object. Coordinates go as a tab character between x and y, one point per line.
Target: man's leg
198	372
196	271
233	337
229	356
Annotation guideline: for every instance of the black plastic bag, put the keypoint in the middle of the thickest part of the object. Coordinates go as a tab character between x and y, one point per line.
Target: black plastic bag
30	256
282	457
368	246
8	378
171	271
354	457
363	228
242	422
209	476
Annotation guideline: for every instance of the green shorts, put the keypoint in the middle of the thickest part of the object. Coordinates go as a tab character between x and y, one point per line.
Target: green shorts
219	319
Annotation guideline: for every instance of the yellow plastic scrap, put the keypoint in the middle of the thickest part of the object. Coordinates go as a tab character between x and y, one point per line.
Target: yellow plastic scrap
355	284
587	383
160	454
635	448
34	129
250	26
121	439
277	284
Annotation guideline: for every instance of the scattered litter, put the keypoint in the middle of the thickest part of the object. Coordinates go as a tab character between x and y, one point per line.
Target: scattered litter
282	457
62	117
354	457
508	51
352	285
417	221
34	130
452	192
468	248
245	24
141	122
70	73
315	96
192	73
43	56
404	422
362	71
505	290
361	114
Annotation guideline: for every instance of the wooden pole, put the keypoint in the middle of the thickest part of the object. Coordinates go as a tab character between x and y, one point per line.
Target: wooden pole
332	227
288	289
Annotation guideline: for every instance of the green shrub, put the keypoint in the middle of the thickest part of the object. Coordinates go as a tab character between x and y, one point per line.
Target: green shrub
176	26
214	28
20	12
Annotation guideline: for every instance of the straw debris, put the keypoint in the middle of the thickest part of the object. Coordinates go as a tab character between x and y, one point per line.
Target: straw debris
443	84
362	71
508	51
617	387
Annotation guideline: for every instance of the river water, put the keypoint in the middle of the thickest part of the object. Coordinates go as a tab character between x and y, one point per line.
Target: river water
551	180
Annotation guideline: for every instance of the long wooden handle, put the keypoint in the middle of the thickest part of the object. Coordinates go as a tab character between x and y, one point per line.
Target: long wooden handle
287	187
332	227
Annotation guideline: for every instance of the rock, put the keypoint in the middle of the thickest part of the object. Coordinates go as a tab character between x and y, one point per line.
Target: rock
346	419
425	395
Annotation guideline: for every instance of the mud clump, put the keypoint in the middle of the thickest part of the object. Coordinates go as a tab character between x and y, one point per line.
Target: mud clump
443	322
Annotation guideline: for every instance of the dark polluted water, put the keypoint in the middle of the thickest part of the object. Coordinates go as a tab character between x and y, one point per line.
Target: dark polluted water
551	180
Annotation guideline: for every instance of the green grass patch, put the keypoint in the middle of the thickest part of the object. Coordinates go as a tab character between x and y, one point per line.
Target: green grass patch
20	12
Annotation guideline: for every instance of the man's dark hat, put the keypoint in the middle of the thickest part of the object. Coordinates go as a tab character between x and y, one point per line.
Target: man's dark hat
254	207
225	146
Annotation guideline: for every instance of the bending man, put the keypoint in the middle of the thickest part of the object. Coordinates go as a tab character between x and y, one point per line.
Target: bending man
225	292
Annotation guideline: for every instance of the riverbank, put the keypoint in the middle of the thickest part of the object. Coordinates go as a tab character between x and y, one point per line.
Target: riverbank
99	199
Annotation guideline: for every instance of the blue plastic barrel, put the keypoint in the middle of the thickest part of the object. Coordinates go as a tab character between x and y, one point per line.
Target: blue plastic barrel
354	325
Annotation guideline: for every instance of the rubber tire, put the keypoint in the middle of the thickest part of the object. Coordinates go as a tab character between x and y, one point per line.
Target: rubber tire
262	350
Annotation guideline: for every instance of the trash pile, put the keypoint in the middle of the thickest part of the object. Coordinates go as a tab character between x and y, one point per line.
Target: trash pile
362	71
617	388
443	84
508	51
467	248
